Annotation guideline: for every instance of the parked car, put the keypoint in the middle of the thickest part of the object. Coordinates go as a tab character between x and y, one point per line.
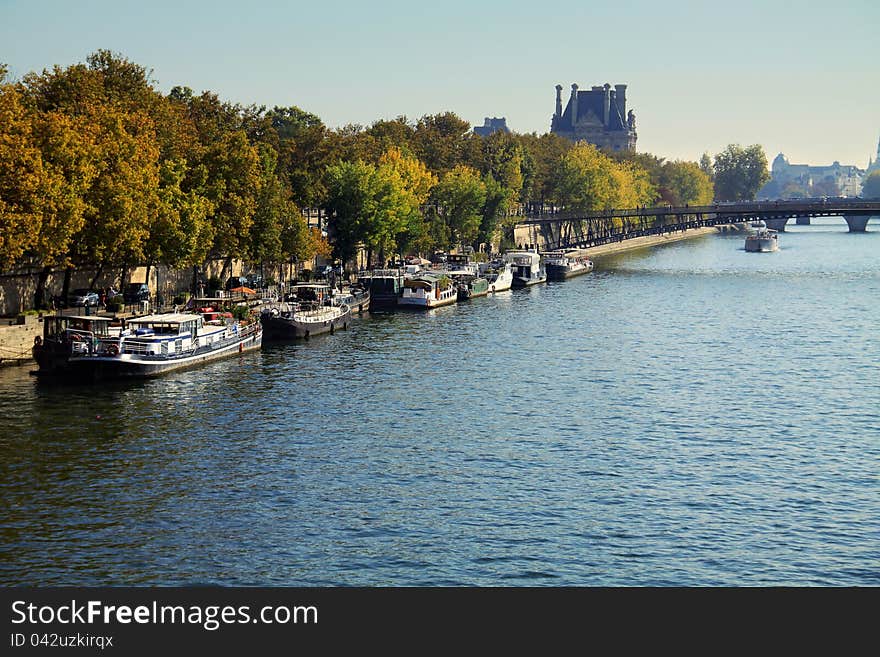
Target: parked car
236	281
136	292
82	297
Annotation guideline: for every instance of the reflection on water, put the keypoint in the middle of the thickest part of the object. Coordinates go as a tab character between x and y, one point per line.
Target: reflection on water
691	414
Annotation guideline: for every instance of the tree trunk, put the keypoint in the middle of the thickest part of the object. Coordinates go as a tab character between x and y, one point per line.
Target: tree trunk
40	294
65	287
227	269
96	277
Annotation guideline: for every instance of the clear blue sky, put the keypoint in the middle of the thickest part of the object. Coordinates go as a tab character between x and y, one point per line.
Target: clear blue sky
798	77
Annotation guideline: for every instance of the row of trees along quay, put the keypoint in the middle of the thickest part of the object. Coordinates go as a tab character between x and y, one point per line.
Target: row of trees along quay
100	169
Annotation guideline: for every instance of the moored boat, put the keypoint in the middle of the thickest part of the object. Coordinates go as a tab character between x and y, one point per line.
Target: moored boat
763	240
158	344
428	290
565	264
66	335
356	297
528	269
309	310
384	285
471	286
466	276
499	275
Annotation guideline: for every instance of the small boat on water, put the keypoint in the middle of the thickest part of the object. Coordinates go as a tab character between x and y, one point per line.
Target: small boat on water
566	264
762	240
66	335
356	297
308	310
147	346
384	285
428	290
471	286
499	275
528	269
466	275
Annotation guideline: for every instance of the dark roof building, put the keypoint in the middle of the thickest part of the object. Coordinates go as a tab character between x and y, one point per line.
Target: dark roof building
492	125
874	165
598	116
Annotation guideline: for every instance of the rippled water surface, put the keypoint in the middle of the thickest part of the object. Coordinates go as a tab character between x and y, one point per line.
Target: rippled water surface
691	414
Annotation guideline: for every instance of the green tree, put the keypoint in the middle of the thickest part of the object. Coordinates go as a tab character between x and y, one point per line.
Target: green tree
272	212
740	172
707	167
443	141
871	185
460	196
305	149
180	235
351	200
232	185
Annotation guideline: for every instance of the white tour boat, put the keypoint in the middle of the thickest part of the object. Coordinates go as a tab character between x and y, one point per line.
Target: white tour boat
762	240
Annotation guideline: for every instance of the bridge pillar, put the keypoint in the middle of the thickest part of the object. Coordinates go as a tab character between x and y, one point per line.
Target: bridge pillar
856	224
803	220
777	223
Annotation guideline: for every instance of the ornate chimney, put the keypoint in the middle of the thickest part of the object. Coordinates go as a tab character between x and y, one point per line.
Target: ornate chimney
606	107
574	105
620	97
558	100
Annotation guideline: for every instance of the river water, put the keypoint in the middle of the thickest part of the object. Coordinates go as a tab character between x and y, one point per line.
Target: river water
685	415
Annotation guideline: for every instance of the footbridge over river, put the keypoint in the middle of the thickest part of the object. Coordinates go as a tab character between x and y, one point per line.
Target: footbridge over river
555	229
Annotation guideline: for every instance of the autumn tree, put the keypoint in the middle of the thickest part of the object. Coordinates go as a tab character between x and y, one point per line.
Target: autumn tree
686	183
23	180
584	179
122	200
410	186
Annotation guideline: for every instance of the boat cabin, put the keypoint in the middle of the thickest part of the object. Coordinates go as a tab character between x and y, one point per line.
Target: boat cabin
164	334
428	290
314	293
65	327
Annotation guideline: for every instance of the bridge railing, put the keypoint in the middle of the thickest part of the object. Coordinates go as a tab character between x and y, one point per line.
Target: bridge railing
746	209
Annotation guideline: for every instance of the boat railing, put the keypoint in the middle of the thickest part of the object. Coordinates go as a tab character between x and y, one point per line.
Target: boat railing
81	341
376	273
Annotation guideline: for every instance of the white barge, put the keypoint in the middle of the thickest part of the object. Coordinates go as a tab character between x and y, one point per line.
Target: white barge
157	344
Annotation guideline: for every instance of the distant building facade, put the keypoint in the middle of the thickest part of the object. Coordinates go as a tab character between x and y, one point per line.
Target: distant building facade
802	180
874	165
598	116
492	125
